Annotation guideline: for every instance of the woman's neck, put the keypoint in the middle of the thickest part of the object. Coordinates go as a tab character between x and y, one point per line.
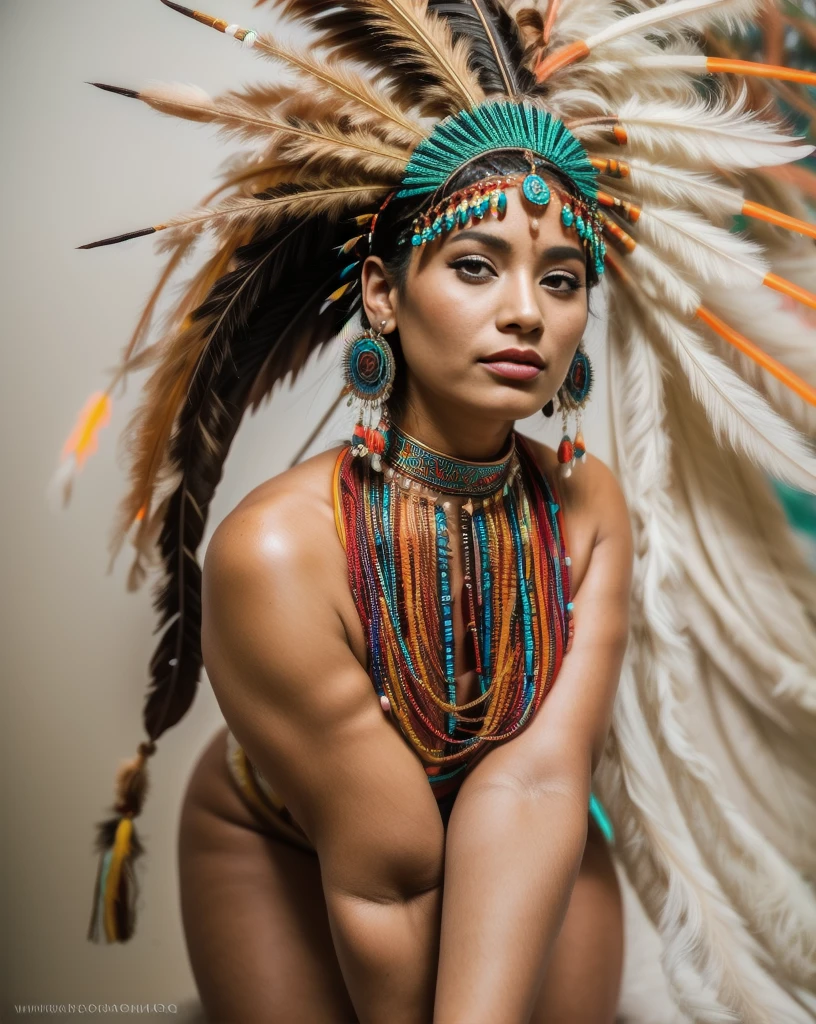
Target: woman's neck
479	440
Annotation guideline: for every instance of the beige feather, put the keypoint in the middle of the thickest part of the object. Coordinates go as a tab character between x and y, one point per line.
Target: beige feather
235	116
343	82
235	211
420	34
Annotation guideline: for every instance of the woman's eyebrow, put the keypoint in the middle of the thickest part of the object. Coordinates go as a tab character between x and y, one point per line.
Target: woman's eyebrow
496	241
555	252
564	252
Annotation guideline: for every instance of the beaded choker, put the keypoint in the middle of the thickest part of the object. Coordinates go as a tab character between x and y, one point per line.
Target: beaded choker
427	468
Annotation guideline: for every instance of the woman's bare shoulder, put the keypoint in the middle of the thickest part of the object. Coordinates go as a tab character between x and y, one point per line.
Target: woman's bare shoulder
591	486
593	504
285	522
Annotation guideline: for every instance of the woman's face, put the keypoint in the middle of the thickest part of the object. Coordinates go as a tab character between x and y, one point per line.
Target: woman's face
514	283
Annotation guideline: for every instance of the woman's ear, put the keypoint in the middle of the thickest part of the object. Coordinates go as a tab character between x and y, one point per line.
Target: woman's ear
379	295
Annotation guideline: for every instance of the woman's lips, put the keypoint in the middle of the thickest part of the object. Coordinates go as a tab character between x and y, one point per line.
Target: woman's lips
515	371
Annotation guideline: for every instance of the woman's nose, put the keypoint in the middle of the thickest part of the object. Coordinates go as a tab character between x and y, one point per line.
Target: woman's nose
520	308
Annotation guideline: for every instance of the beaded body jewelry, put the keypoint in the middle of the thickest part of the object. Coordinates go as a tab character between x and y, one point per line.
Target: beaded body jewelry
516	598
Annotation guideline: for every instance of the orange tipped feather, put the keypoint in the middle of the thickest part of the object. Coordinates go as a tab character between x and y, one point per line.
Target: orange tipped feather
83	440
780	284
782	373
781	220
755	70
561	58
739	341
552	16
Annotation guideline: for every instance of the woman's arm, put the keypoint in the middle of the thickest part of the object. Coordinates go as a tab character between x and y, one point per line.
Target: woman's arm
305	711
518	829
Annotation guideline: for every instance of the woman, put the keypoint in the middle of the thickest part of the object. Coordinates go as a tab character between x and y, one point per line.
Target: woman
286	655
454	201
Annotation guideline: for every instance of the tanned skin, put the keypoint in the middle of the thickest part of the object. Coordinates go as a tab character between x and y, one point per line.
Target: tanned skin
515	916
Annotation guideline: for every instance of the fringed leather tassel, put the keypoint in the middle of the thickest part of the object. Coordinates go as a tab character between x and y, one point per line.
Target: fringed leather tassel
114	903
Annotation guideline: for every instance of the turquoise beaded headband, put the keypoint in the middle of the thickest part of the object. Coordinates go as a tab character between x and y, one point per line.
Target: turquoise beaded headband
501	125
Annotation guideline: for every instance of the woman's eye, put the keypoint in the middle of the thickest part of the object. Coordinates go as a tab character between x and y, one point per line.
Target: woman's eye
471	266
562	282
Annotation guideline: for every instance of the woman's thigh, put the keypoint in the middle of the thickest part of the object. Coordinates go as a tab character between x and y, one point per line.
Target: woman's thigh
258	934
583	977
253	911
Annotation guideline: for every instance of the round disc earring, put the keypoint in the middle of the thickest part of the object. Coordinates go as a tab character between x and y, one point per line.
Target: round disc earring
369	369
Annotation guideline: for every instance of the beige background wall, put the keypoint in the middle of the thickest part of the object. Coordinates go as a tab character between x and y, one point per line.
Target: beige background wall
77	165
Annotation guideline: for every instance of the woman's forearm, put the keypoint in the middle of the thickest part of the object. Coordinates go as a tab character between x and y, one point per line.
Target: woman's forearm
388	953
512	858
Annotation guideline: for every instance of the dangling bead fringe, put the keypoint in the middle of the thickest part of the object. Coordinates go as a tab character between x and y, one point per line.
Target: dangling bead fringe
571	452
114	902
580	448
372	441
566	455
566	450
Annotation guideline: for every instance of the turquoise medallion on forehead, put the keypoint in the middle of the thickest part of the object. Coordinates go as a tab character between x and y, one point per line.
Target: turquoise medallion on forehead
492	125
536	189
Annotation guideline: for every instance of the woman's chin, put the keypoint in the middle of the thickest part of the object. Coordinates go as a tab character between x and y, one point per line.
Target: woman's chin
503	403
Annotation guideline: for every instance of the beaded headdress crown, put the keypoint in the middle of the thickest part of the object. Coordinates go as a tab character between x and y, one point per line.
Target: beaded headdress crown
502	126
711	369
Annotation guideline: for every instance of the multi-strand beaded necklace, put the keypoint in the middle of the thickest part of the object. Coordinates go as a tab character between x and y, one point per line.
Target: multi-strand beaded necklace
515	597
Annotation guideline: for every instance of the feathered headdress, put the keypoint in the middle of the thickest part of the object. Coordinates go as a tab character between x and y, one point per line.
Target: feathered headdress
712	370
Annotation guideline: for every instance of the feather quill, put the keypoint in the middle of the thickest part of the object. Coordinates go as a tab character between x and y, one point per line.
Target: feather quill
272	206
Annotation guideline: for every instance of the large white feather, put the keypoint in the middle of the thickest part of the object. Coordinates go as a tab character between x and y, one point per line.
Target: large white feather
662	282
664	184
780	327
699	925
739	416
705	135
694	14
707	252
733	566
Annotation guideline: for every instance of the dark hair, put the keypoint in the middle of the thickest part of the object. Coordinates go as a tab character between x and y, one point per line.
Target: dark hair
392	237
